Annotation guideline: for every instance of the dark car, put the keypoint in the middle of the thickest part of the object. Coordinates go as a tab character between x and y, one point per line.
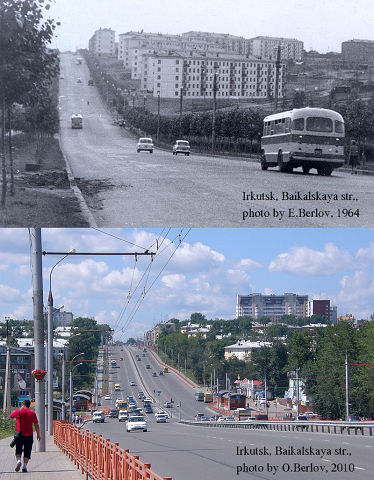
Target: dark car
154	374
161	372
148	410
113	413
168	405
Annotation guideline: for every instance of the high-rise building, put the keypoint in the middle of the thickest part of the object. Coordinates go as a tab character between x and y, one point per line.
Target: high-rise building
256	305
319	307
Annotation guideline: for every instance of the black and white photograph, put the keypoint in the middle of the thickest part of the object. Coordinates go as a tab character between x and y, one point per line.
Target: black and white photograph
185	113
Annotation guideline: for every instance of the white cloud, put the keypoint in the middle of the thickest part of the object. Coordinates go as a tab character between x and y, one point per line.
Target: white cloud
8	294
196	258
305	261
237	277
175	281
366	253
248	264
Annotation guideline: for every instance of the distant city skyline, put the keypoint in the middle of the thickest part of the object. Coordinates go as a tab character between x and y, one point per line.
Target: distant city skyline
321	25
204	274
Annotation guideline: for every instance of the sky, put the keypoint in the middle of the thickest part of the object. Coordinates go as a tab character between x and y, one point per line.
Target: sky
319	24
197	270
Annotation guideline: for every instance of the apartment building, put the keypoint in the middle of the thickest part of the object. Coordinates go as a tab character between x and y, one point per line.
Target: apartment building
358	51
21	366
242	350
319	307
219	41
151	336
103	42
267	48
256	305
236	76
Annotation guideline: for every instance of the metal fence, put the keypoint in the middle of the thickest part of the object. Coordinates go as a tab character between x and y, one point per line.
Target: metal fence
355	428
99	458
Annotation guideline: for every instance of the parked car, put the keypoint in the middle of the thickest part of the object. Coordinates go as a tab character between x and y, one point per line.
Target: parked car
181	146
147	367
90	82
136	423
113	413
353	418
107	397
79	80
226	419
123	415
98	416
145	144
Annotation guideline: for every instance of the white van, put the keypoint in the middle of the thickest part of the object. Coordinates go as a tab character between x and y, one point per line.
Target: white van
98	416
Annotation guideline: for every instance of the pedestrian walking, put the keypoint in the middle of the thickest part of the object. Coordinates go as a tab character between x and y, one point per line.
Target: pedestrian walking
353	156
26	418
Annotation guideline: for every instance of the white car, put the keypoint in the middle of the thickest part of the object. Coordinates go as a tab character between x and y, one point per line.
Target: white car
107	397
98	417
161	417
136	423
145	144
181	146
123	415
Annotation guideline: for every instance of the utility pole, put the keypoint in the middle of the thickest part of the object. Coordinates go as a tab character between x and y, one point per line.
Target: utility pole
37	282
50	364
214	108
297	394
180	112
158	116
277	72
63	386
346	385
7	396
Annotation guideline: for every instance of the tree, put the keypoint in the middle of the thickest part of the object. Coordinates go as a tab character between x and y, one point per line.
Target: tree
26	65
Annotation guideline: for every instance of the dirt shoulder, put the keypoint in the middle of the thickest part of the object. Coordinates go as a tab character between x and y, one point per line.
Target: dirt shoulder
42	193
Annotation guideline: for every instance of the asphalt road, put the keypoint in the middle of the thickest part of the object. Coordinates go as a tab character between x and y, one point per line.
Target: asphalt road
184	452
125	188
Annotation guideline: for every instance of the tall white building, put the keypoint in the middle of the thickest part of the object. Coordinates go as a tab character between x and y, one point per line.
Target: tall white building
237	76
256	305
267	48
103	42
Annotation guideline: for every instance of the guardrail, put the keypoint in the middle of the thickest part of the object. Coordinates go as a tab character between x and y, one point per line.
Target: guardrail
292	426
97	457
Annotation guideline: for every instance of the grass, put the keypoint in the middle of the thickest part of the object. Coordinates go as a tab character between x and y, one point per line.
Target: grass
7	426
44	197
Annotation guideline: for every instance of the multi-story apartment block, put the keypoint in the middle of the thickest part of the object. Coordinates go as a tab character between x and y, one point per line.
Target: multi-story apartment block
236	76
319	307
243	350
21	366
151	336
358	51
267	48
256	305
103	42
219	41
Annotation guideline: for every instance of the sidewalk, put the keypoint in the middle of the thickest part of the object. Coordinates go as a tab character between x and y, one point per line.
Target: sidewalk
49	465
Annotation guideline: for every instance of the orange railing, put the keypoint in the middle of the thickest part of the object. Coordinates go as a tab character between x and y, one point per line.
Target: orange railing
97	457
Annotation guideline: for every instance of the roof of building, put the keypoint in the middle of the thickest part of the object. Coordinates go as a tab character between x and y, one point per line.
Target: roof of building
247	344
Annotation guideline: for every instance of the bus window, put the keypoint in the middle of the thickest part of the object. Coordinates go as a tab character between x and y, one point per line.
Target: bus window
287	125
339	126
319	124
298	124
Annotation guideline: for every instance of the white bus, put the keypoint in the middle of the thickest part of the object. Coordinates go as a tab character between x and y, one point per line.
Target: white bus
304	137
77	121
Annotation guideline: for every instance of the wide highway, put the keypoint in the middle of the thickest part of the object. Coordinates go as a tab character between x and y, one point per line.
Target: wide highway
125	188
184	452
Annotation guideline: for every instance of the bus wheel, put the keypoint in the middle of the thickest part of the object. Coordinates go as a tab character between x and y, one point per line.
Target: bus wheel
264	165
306	169
282	166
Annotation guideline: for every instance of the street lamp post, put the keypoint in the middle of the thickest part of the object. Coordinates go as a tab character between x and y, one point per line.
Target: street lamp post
71	389
50	347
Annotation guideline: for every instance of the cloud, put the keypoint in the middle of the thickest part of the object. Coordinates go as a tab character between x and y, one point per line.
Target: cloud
248	264
305	261
8	294
236	277
196	258
357	293
174	281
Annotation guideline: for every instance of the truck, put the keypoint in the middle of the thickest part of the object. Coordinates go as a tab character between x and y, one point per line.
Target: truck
76	121
208	397
199	396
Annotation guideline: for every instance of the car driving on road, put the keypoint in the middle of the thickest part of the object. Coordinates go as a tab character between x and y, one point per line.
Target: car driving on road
123	415
136	423
161	417
181	146
145	144
98	417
